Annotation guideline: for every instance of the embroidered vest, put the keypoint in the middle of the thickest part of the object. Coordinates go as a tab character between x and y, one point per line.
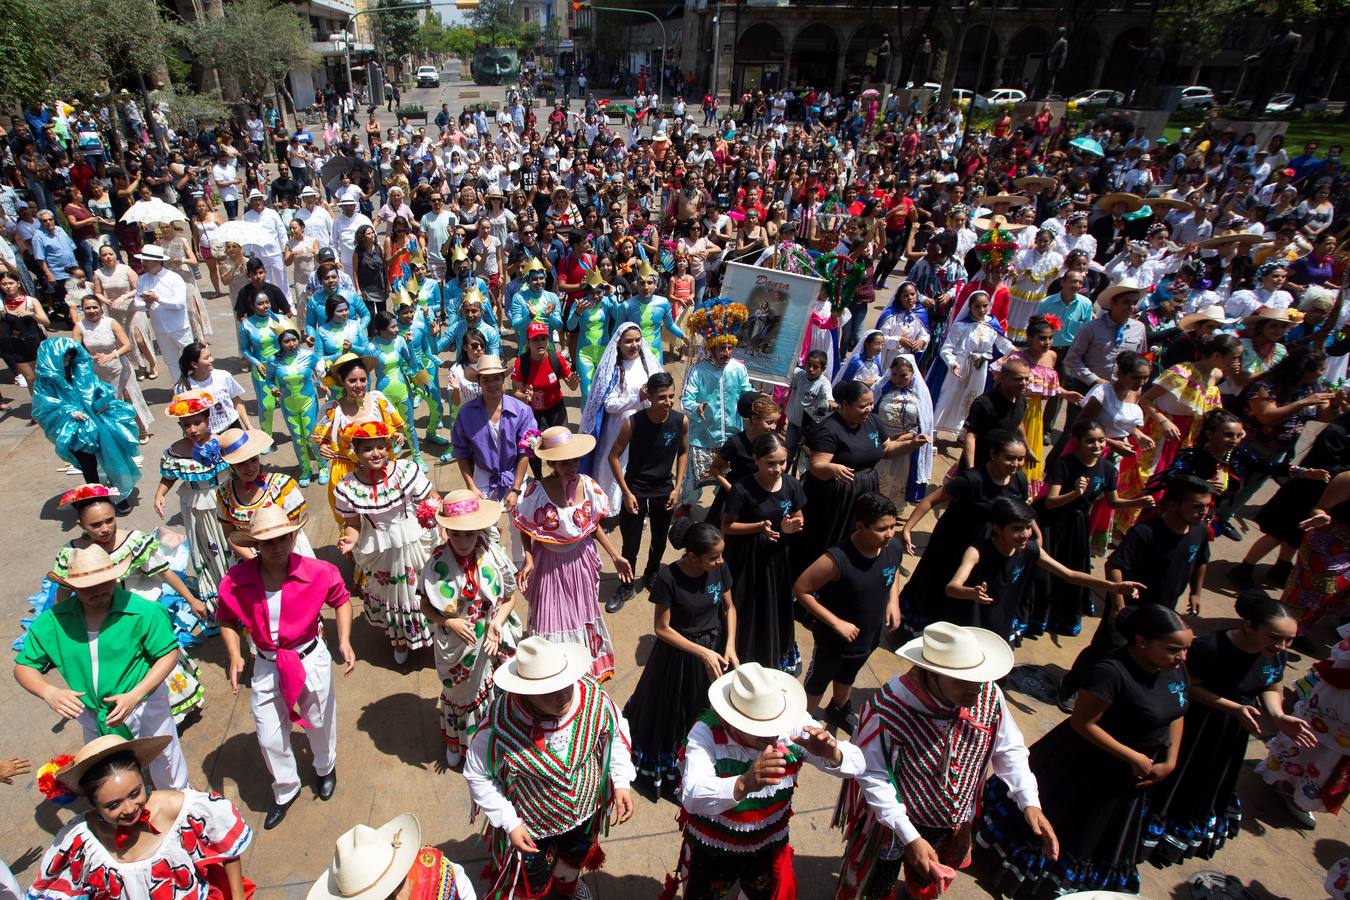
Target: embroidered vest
432	877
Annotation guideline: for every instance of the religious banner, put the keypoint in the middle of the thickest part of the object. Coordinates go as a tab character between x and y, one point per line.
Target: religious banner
779	304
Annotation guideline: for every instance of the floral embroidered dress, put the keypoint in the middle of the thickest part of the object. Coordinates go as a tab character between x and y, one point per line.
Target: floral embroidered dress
188	865
471	589
563	589
333	423
278	489
1317	779
198	482
392	549
1042	384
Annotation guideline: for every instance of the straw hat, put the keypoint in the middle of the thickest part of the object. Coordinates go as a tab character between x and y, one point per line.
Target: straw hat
190	403
1238	237
100	748
152	253
758	701
1010	199
466	511
1132	201
371	363
1272	314
542	667
238	445
966	654
1166	204
489	364
268	523
1124	286
558	443
370	863
999	221
1213	313
1034	184
91	566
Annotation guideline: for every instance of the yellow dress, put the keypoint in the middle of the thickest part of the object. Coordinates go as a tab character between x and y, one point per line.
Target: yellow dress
333	422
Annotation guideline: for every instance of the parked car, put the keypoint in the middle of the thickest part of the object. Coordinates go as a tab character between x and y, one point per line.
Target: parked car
428	76
958	94
1283	102
998	98
1098	97
1197	96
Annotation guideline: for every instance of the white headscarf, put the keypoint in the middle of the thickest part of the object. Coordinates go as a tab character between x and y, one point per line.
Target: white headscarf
857	353
607	373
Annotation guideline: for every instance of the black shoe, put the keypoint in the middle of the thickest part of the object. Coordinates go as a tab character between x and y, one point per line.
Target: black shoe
1229	530
841	717
1064	698
326	785
1241	576
617	599
277	813
1278	574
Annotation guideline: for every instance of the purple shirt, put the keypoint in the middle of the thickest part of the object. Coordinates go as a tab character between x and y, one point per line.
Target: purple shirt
1305	272
472	440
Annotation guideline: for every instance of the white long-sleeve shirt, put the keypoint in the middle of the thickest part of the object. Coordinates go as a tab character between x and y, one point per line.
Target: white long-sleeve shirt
168	313
318	225
705	793
276	231
344	235
500	811
1009	757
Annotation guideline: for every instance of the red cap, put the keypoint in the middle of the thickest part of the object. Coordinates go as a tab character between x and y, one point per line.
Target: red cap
1290	172
536	329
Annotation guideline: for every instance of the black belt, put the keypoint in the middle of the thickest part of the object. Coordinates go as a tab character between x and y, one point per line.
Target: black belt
303	651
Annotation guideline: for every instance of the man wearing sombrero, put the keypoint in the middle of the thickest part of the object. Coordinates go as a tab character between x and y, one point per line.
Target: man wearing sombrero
740	770
277	597
390	863
928	737
548	762
114	650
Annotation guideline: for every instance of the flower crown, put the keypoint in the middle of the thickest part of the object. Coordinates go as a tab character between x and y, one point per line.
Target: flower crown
190	404
369	430
52	789
89	492
719	319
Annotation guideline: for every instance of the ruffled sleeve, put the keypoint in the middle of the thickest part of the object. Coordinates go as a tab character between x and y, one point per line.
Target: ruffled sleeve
70	866
212	830
324	431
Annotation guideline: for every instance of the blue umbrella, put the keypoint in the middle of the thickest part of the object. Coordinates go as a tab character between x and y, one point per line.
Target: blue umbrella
1087	145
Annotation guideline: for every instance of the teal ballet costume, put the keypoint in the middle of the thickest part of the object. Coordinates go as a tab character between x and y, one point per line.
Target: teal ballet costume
423	343
258	345
398	366
295	377
653	316
593	326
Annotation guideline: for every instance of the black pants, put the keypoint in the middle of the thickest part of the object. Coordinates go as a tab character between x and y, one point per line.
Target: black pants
547	418
895	249
652	509
88	464
1053	404
570	848
713	875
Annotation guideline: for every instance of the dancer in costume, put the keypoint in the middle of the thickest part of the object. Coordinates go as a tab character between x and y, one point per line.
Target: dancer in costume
139	842
82	417
350	374
472	316
533	303
1032	270
317	310
1042	385
653	313
974	340
822	333
420	334
294	375
929	738
250	489
114	651
469	592
257	345
620	390
592	318
385	531
904	325
740	771
550	769
905	408
407	870
277	597
398	367
559	515
147	574
337	334
404	260
712	389
195	460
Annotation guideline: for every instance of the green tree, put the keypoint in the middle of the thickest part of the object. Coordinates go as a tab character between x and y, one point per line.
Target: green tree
105	43
461	42
432	35
256	42
28	48
497	23
398	28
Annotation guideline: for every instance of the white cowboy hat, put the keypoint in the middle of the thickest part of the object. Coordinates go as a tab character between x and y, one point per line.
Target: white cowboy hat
238	445
268	522
1213	313
91	566
966	654
256	194
542	667
152	253
100	748
758	701
370	863
466	511
1123	286
309	192
559	443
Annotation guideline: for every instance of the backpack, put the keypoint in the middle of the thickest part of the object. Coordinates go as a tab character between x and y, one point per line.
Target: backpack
527	366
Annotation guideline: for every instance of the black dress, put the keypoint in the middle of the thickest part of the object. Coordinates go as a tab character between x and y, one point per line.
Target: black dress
673	689
762	574
736	452
1089	795
1067	532
859	595
964	523
1196	810
1297	497
1008	580
19	338
831	519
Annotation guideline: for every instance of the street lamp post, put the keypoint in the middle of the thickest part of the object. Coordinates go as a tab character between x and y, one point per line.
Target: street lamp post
350	33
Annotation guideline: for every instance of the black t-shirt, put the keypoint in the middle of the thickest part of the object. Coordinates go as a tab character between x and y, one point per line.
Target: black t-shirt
1006	579
973	492
652	450
1065	472
694	601
858	448
991	411
1216	664
1160	559
736	452
860	594
749	501
1142	704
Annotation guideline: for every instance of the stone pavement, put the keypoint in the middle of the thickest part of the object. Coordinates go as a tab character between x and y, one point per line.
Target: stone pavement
391	759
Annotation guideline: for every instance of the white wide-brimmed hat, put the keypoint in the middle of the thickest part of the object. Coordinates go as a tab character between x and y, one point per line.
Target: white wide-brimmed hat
542	667
152	253
966	654
1123	286
758	701
1213	314
370	863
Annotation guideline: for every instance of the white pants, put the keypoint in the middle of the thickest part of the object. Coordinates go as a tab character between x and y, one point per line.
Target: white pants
9	887
171	347
481	478
318	705
276	272
153	718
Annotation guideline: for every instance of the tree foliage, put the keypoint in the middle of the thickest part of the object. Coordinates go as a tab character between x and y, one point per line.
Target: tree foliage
497	23
28	48
255	41
100	44
398	28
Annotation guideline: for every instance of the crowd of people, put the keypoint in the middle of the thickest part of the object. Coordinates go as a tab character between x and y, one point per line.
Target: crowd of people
502	350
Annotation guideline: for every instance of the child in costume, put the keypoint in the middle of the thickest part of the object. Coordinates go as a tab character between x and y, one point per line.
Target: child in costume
712	389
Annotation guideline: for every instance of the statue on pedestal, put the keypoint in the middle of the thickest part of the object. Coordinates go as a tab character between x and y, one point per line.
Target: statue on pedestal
883	65
1151	61
1055	56
1271	63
